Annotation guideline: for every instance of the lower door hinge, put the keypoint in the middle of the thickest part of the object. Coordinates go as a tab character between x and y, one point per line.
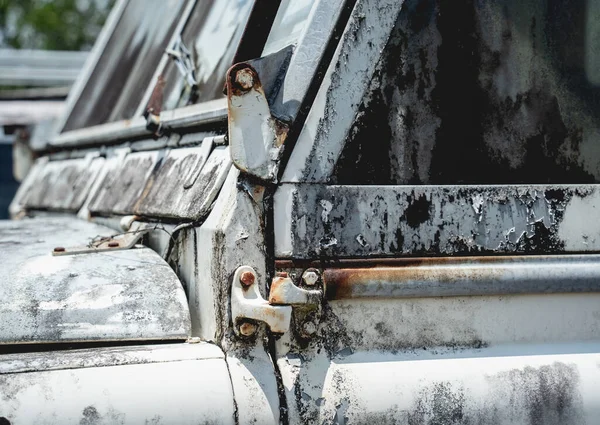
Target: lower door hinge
248	306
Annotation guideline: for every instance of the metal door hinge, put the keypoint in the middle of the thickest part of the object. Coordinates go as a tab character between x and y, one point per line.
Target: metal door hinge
248	306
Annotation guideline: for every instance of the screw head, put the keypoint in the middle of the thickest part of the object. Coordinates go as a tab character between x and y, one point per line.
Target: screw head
310	277
113	244
247	279
59	249
248	329
309	328
244	79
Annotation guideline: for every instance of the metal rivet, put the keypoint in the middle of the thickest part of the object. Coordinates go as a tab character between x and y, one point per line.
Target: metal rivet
247	279
59	249
309	328
248	329
113	244
244	79
310	277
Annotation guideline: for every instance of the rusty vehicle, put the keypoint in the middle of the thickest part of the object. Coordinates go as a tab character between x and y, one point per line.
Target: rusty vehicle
314	212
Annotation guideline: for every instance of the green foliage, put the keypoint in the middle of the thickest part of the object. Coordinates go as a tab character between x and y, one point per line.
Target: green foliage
52	24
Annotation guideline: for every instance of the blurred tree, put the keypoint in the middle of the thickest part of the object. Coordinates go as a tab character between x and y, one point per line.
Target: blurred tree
52	24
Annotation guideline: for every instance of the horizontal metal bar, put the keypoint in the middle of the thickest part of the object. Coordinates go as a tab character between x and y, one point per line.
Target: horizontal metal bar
180	118
467	276
102	133
27	76
43	58
195	115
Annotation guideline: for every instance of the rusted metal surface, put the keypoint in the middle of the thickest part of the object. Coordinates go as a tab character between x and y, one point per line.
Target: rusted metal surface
314	221
248	304
58	185
255	137
125	182
283	291
166	194
117	296
115	242
469	276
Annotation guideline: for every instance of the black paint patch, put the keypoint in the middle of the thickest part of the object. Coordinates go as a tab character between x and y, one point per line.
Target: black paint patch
546	395
418	211
90	416
439	405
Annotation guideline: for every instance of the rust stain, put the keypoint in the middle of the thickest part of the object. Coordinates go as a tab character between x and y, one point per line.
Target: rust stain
156	98
276	294
241	78
341	283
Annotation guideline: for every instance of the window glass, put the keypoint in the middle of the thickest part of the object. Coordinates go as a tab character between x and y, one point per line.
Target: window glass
211	36
288	25
117	84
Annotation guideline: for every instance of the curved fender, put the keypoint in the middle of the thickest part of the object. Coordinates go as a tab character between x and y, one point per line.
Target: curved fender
162	384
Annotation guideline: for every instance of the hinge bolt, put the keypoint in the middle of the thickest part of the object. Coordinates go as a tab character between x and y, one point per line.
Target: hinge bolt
309	329
310	277
247	329
247	279
245	79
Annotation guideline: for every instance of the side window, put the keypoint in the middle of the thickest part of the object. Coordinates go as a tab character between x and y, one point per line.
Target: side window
125	67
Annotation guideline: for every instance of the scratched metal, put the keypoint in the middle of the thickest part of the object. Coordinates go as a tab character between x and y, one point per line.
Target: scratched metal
186	184
124	295
178	183
106	356
124	183
345	221
466	276
58	185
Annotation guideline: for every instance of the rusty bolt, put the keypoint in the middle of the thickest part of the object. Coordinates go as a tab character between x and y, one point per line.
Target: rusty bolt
309	329
247	279
113	244
248	329
281	274
59	249
244	79
310	277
